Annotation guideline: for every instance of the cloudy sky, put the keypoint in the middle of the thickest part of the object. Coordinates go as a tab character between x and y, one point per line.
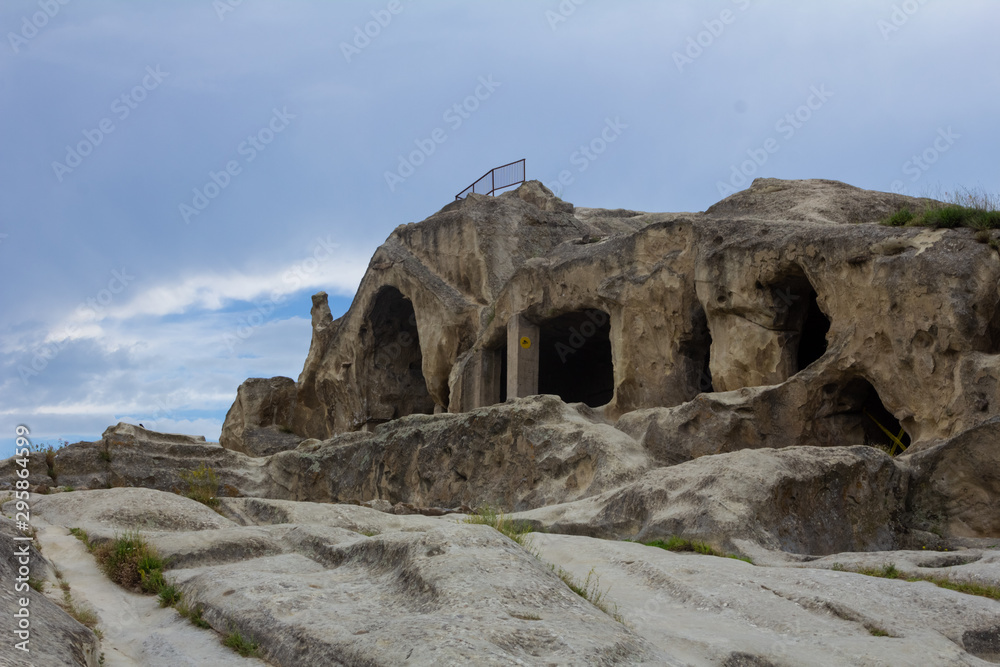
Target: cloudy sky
176	179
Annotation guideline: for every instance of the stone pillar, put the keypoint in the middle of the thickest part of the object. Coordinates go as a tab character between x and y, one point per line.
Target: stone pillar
522	358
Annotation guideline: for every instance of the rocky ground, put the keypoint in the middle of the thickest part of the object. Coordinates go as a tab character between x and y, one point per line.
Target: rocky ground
327	584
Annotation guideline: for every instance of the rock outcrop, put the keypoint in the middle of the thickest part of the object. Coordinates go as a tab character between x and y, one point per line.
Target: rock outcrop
803	500
258	422
758	292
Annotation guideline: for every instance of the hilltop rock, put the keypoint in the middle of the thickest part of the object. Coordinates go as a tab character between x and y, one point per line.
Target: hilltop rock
758	291
257	424
816	200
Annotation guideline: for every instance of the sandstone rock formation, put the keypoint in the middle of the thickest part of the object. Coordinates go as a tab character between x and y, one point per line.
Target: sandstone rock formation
257	424
727	376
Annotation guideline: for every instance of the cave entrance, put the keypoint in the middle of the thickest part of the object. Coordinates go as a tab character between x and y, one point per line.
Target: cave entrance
797	313
860	402
574	358
395	385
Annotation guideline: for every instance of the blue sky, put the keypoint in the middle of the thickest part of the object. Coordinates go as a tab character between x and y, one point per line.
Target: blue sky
176	179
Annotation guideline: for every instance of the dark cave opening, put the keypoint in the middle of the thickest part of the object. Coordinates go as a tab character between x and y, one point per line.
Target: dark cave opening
797	312
812	337
574	358
860	400
395	385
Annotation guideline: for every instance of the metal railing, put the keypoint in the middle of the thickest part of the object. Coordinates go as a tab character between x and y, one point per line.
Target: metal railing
495	179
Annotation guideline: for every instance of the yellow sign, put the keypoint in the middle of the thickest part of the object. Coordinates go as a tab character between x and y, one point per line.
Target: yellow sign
525	342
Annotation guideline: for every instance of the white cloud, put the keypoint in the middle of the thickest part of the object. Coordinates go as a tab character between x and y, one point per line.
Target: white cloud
321	269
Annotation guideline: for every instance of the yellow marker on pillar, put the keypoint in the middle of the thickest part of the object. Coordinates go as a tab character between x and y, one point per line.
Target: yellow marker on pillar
525	342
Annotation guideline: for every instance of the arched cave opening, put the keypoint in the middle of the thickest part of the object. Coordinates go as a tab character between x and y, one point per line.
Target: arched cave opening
574	358
797	312
395	385
860	401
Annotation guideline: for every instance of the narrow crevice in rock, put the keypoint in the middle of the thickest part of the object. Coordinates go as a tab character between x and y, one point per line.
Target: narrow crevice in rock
695	355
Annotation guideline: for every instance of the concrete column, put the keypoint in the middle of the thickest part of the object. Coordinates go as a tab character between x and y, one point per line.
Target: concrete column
522	358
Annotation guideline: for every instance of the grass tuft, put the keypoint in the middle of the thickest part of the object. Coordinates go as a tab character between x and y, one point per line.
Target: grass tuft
889	571
203	485
680	544
129	561
169	595
900	218
590	590
975	209
491	516
192	614
84	616
245	646
81	534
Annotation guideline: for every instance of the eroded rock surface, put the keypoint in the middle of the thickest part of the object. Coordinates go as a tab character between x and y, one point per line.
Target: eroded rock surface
319	584
805	500
414	590
760	290
258	422
52	637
